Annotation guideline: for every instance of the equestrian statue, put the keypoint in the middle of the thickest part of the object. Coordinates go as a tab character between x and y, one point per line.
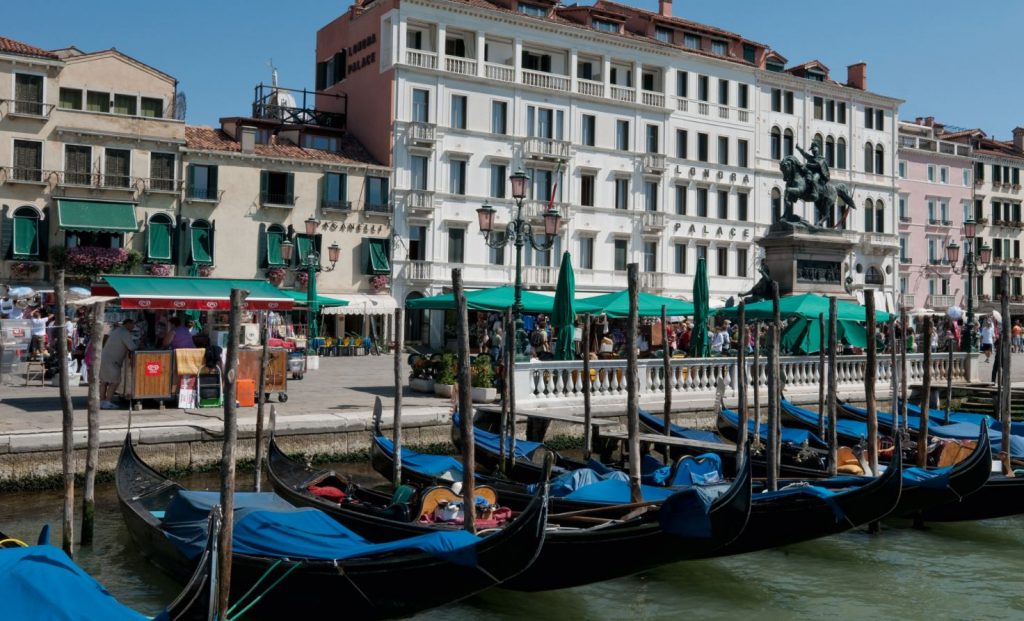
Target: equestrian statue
810	182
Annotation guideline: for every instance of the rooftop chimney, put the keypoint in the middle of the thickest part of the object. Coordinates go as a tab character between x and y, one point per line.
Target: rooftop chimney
247	138
1018	138
929	121
665	8
857	76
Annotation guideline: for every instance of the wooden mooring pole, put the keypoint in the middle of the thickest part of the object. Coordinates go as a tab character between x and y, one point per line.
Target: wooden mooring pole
757	384
870	378
261	398
92	452
774	392
588	431
666	362
228	456
68	416
632	381
742	383
396	427
894	378
926	391
465	389
510	423
1004	372
905	331
833	440
821	375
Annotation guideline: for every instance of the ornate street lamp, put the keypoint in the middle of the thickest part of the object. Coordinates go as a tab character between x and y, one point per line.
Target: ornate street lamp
519	232
971	267
311	265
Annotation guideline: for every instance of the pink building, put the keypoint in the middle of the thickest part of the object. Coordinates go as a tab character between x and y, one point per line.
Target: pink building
936	192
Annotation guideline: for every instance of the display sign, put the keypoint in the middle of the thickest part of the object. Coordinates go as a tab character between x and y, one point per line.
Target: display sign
202	305
153	368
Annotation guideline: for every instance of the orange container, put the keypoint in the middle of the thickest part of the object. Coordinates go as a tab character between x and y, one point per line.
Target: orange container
246	393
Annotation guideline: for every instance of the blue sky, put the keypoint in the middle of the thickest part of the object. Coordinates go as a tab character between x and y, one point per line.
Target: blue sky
958	62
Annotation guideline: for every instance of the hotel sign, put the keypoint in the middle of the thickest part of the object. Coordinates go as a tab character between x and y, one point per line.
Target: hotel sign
359	46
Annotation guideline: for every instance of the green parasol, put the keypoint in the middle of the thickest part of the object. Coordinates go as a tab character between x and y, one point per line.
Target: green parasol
496	299
806	306
563	316
699	339
802	336
616	304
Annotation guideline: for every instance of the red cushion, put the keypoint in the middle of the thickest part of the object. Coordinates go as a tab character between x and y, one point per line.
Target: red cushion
330	493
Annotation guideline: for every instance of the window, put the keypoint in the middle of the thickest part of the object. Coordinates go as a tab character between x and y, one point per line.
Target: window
652	139
97	101
497	255
723	150
723	205
903	208
589	130
830	151
158	238
901	169
869	118
1016	176
830	110
663	34
776	143
979	171
743	96
776	100
28	94
749	53
457	177
682	84
841	154
702	87
152	107
650	256
819	108
702	202
681	200
201	243
944	212
377	198
587	190
742	202
880	120
459	111
903	248
741	263
682	138
879	217
931	172
776	204
417	243
622	135
621	254
125	104
869	157
335	191
651	195
161	172
869	215
420	167
787	142
691	41
789	102
841	112
721	48
277	188
202	182
647	82
27	234
966	177
117	168
818	140
456	245
586	253
944	174
702	147
499	174
420	105
879	160
722	263
621	193
532	9
723	92
499	117
28	160
70	98
77	165
604	26
680	263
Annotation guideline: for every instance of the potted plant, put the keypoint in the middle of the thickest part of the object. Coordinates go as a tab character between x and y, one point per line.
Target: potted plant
421	379
93	261
23	269
445	375
159	269
276	275
206	271
379	282
482	378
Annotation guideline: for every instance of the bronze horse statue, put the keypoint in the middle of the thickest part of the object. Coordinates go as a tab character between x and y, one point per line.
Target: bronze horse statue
799	187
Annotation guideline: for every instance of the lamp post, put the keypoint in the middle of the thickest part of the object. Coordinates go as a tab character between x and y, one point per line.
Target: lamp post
311	265
970	266
519	232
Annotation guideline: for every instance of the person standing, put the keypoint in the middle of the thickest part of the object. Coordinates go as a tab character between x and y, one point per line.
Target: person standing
119	345
37	344
988	336
177	336
1018	337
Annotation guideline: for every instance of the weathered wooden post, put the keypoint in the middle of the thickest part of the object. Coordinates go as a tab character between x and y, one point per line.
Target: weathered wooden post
261	396
951	345
905	329
774	392
742	382
68	415
1004	372
870	378
227	464
465	388
396	429
588	432
632	381
821	375
833	341
757	383
926	391
92	453
666	361
510	424
894	378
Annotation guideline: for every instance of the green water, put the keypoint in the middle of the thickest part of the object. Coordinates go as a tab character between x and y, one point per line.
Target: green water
951	571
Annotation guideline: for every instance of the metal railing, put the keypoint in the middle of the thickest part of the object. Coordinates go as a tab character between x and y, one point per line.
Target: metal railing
202	193
378	208
121	182
335	205
154	184
277	199
18	174
27	107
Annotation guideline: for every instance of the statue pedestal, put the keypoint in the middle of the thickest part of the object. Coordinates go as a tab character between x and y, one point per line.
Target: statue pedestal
808	262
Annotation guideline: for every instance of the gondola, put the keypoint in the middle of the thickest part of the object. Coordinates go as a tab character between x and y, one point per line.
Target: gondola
974	418
601	543
374	581
848	432
1001	496
800	513
41	582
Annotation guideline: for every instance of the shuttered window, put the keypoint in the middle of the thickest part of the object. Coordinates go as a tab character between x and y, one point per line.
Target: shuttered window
28	160
77	164
126	104
28	93
71	98
152	107
117	168
277	188
275	236
26	233
201	238
158	246
96	101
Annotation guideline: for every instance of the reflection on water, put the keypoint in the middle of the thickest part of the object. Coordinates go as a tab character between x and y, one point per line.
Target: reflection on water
947	571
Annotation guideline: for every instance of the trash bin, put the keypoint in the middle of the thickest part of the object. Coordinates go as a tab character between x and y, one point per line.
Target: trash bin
246	393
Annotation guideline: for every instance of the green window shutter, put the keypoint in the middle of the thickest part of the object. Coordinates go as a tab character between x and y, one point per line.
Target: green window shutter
26	236
159	246
378	260
290	189
202	245
343	188
213	182
274	239
302	246
264	185
191	179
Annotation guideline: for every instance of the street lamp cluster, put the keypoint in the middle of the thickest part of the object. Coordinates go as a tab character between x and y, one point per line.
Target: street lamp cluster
983	258
519	232
311	265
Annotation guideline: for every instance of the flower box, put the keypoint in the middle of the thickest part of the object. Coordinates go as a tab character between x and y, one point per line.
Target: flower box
93	261
484	395
424	385
444	390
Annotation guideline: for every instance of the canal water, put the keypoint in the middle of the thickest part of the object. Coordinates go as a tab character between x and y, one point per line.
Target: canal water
948	571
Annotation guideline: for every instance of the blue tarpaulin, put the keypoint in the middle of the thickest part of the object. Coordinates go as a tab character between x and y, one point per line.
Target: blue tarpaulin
42	583
616	491
685	513
492	441
937	478
266	525
442	467
851	430
658	424
790	435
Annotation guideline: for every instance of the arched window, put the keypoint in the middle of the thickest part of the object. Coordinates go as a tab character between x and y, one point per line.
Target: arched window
776	144
27	234
158	238
869	215
275	237
776	205
869	154
787	143
841	154
879	216
874	276
818	140
879	160
830	151
201	242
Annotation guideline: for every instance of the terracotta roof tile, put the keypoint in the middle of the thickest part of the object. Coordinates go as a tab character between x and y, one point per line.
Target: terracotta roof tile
202	138
10	46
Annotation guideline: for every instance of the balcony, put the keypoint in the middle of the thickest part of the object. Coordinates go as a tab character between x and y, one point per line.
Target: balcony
654	163
542	79
154	185
422	134
936	262
26	109
540	276
590	87
946	222
378	209
534	210
906	219
335	206
653	221
420	202
501	73
653	282
78	179
419	271
907	300
30	176
546	149
419	58
874	279
623	93
461	66
941	302
649	98
116	182
881	240
277	199
906	261
202	194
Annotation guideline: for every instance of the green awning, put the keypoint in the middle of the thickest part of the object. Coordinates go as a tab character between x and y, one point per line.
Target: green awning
185	293
616	304
106	217
379	263
495	299
323	300
805	306
803	336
